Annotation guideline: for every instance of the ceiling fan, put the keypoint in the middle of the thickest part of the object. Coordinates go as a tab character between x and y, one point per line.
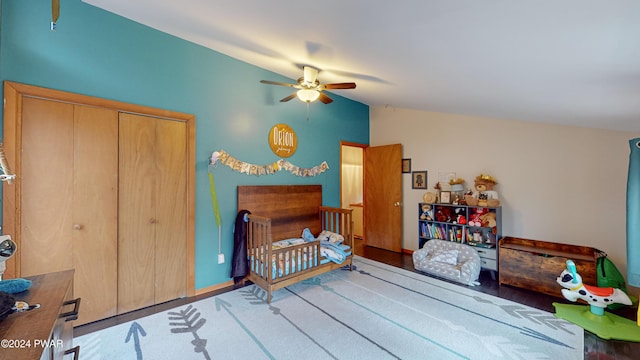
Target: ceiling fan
309	88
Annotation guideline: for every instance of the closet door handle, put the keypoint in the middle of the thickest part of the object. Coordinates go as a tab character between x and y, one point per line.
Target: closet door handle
153	221
73	314
77	227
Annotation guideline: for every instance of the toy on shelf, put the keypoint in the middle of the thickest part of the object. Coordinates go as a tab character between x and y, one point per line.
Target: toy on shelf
427	212
457	189
489	220
475	217
484	194
437	187
443	214
593	317
460	218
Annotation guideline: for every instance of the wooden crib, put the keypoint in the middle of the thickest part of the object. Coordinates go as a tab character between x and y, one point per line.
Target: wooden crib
281	212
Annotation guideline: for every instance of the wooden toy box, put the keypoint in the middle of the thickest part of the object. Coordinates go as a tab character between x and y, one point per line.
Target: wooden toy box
535	265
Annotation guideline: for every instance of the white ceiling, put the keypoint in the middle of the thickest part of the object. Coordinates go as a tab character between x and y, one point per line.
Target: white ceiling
573	62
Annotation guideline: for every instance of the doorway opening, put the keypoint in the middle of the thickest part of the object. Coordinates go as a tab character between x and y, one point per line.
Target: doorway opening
352	188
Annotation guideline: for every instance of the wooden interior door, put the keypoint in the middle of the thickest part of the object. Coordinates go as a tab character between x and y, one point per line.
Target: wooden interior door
95	212
152	211
383	196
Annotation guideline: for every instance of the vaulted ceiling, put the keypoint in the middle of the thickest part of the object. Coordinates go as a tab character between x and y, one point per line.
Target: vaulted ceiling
573	62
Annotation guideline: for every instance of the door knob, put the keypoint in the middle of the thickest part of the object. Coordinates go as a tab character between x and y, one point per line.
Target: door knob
397	203
77	227
152	221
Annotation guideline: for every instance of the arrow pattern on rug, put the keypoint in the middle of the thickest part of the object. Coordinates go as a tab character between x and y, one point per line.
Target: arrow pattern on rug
134	330
190	321
534	316
317	282
256	296
517	311
224	305
544	319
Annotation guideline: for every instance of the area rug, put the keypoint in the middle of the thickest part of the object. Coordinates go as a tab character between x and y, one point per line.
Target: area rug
376	311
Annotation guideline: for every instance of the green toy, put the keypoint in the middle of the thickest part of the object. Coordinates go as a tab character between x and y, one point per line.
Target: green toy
592	317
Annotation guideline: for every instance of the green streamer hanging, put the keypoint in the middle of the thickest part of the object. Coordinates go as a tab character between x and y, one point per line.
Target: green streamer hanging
214	199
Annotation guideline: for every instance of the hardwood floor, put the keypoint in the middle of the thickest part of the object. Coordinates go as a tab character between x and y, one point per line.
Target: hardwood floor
595	348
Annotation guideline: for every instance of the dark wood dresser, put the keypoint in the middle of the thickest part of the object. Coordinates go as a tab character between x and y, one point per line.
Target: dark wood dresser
46	332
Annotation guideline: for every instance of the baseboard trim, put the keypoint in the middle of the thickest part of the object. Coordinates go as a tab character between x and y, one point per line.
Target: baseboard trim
213	288
407	251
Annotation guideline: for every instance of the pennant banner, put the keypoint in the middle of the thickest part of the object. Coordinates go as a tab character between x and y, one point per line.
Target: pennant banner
250	169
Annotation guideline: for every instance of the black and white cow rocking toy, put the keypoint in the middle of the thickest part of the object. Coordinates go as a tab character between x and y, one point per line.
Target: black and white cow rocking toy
597	297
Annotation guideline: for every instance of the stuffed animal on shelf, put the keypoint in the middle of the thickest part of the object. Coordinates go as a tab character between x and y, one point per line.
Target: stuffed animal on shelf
427	212
460	218
443	214
489	220
484	193
475	218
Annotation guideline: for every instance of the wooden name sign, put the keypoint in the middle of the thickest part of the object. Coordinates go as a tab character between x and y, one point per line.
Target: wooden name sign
283	140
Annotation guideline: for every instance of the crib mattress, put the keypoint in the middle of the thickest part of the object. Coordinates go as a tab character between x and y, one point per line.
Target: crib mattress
283	265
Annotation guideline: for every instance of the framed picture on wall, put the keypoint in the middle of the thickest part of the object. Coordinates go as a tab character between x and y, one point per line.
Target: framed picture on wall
419	179
406	166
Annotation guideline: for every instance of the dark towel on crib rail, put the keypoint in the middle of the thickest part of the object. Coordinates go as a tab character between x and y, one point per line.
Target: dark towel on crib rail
240	263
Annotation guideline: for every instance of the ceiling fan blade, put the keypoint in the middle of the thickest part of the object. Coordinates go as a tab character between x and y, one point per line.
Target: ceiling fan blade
279	83
324	98
349	85
310	74
288	97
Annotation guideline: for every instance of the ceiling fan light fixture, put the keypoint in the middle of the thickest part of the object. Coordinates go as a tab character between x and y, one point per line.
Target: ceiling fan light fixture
308	95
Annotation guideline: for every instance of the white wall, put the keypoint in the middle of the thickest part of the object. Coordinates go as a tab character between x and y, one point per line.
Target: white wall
556	183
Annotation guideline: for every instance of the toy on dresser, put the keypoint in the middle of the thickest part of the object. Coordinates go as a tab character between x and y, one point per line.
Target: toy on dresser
484	193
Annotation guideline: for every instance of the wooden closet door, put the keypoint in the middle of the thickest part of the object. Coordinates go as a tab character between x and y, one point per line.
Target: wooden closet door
137	212
171	212
95	212
64	148
152	250
69	199
46	186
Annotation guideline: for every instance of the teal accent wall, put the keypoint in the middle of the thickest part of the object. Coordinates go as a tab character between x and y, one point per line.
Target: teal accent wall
97	53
